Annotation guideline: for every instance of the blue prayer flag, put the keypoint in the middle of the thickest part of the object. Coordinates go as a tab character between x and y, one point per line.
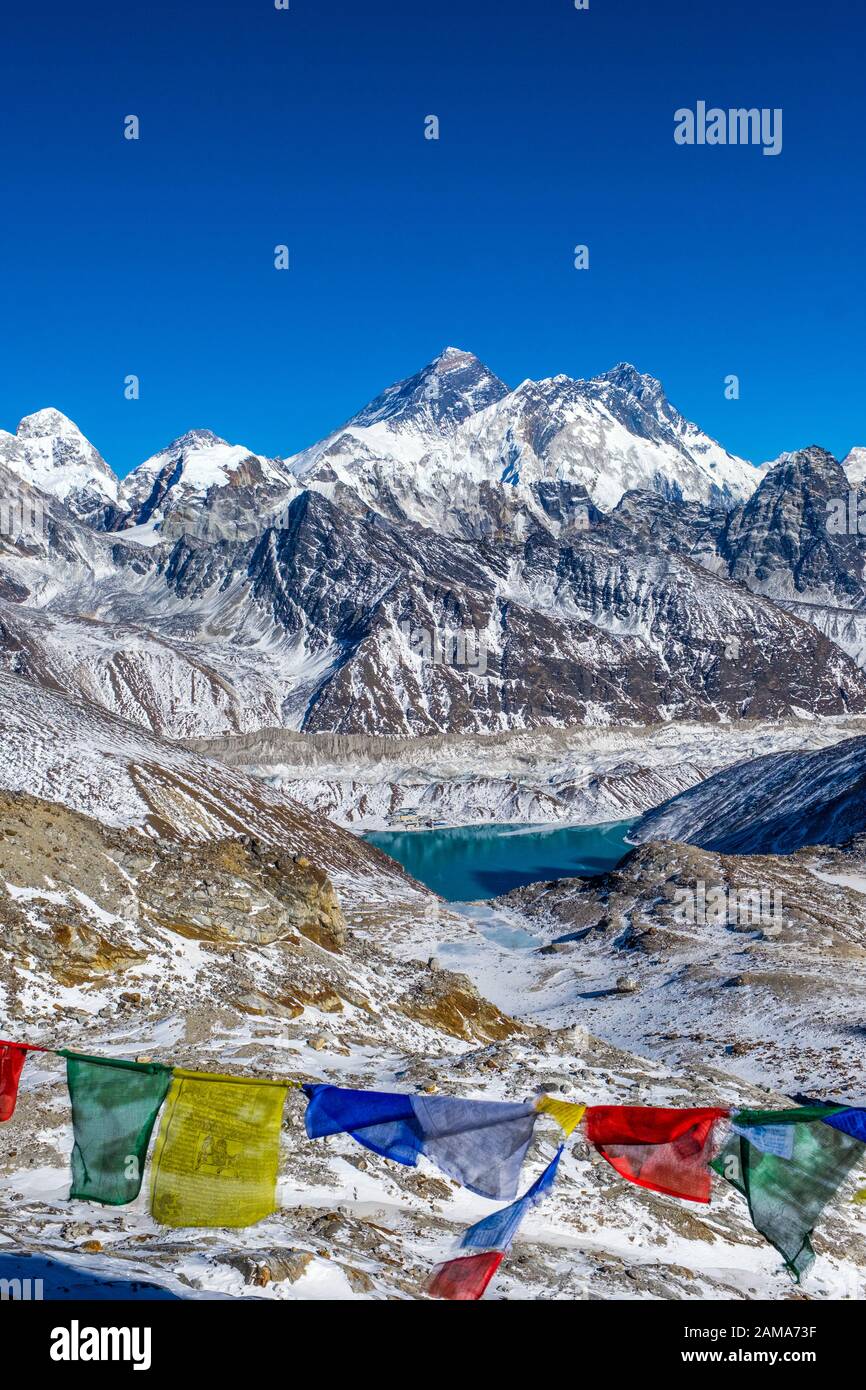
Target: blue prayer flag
480	1143
496	1232
381	1120
852	1121
466	1275
769	1139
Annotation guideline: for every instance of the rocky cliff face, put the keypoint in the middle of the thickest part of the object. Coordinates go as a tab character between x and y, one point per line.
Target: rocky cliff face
352	623
782	542
85	905
797	540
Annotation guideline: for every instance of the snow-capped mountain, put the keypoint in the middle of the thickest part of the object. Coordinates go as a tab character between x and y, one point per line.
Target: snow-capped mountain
609	434
199	484
438	399
854	465
50	453
331	621
232	592
425	448
450	447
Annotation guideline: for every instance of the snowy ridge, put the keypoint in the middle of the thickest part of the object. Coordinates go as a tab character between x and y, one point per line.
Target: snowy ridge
68	751
186	483
774	804
577	776
455	425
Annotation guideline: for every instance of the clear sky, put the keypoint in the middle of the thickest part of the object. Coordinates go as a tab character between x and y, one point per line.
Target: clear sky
306	127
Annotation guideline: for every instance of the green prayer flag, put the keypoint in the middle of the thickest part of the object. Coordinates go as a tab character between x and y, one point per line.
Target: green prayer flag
114	1107
801	1114
786	1194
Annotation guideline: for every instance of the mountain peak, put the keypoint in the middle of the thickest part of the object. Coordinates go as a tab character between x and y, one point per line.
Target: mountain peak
626	377
50	452
854	465
193	439
48	421
813	457
450	353
441	396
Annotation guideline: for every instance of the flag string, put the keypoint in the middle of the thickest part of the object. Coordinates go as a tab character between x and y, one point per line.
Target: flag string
216	1154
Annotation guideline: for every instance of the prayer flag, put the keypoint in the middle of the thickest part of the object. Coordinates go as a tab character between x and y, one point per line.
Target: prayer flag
484	1245
786	1195
568	1114
497	1231
114	1106
12	1058
849	1118
851	1121
464	1280
664	1150
480	1143
217	1152
769	1139
383	1121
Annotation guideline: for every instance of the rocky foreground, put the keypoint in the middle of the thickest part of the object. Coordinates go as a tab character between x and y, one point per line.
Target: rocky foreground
232	955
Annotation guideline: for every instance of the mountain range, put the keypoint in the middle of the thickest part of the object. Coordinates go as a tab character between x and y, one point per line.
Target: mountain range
606	561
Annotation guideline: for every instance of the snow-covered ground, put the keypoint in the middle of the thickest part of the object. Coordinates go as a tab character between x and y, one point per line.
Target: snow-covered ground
99	953
580	776
351	1225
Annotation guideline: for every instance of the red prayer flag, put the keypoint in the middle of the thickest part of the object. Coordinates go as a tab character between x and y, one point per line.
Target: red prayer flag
12	1056
663	1150
466	1278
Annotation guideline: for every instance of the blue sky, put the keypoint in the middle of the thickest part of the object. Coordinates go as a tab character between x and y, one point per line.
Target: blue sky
306	127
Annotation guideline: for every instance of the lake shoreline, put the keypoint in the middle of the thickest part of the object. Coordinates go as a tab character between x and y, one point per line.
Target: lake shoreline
477	863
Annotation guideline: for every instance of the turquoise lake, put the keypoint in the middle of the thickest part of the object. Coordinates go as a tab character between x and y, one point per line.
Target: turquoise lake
480	861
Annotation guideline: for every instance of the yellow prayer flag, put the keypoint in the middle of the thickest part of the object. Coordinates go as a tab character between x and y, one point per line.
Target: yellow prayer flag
217	1152
567	1114
860	1197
